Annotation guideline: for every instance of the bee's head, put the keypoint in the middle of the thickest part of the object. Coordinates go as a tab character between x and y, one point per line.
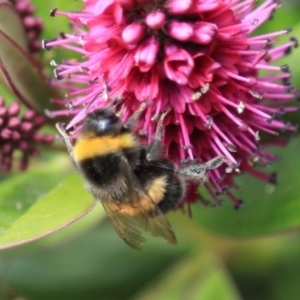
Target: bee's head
102	122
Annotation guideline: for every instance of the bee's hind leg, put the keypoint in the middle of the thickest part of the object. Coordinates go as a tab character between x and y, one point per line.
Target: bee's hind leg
196	172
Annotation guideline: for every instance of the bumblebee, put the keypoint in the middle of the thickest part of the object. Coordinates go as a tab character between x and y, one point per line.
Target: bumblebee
136	183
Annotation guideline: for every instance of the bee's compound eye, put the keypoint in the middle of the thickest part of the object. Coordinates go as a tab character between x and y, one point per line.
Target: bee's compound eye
102	122
107	123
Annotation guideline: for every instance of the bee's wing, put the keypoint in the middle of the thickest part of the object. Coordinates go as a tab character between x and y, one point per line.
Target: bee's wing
125	227
157	224
140	213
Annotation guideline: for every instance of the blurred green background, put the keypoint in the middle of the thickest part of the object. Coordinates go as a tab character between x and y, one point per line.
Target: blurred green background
253	253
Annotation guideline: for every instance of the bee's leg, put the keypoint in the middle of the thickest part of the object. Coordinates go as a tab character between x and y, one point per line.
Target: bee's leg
65	137
132	120
197	172
155	149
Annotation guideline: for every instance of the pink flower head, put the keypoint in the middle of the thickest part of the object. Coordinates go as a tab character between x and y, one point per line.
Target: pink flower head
19	134
198	57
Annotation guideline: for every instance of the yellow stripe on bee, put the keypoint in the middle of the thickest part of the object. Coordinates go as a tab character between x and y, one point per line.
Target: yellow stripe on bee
157	189
94	146
143	205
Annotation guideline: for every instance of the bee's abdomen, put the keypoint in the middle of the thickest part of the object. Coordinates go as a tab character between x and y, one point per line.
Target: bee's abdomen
174	194
160	182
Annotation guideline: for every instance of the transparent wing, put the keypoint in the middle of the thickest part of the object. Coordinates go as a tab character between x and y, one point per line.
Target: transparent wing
137	211
125	228
157	224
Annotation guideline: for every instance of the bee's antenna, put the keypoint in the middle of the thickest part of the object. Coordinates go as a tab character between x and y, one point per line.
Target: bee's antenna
105	95
91	102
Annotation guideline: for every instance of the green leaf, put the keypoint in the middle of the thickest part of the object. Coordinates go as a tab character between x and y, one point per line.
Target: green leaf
11	24
19	192
217	285
97	265
200	276
279	20
267	209
59	238
293	59
267	268
53	26
22	75
24	219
